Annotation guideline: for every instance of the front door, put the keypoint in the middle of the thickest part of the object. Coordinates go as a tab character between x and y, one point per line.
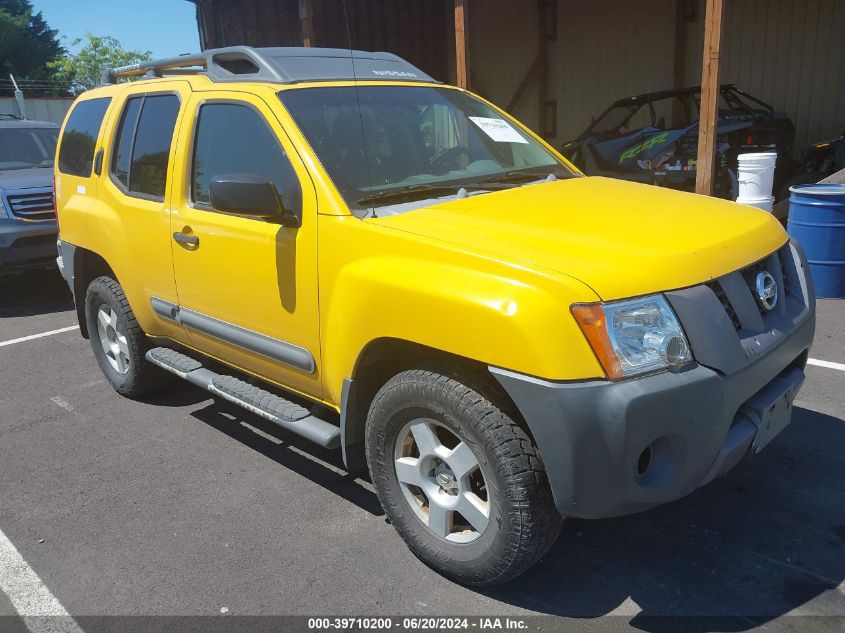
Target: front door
247	287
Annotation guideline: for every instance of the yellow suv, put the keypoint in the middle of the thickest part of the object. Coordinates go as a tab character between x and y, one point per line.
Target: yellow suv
394	267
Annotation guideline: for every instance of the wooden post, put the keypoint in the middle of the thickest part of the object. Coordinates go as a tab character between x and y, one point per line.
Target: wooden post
709	113
306	23
461	44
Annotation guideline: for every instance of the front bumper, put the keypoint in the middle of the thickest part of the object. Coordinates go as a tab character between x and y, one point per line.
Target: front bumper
686	427
698	423
25	245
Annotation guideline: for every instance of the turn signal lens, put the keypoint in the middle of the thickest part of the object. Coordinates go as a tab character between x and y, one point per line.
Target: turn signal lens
591	320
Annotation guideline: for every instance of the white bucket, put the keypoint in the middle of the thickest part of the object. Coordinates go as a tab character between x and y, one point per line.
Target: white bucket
756	175
765	203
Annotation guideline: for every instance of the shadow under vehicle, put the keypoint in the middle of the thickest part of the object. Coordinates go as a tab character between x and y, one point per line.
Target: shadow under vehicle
653	138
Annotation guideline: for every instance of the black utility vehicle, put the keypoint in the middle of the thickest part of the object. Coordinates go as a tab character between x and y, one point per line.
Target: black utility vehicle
653	138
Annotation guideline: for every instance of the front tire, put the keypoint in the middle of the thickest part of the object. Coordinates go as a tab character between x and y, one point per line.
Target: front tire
118	342
458	479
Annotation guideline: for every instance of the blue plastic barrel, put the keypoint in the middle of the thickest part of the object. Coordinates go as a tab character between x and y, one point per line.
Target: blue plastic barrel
817	221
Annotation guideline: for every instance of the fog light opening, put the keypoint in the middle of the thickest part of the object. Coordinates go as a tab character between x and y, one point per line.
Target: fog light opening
644	462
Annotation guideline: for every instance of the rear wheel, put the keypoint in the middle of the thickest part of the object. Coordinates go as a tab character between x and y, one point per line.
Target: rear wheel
460	481
118	342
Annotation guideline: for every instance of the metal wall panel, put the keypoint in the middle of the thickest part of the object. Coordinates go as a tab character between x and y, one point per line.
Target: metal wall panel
416	30
606	51
788	53
252	22
502	39
603	51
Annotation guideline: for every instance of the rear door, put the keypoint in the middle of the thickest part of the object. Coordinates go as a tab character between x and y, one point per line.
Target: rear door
132	205
76	182
247	287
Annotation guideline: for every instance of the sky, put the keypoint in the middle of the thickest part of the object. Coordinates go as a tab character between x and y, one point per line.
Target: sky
165	27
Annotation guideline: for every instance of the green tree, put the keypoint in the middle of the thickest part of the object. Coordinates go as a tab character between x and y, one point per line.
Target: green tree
82	70
27	43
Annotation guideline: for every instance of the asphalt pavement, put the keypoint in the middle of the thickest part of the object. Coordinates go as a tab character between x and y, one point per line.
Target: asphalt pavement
183	505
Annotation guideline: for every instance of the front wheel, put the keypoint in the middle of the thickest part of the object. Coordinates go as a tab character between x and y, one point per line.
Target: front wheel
118	342
458	479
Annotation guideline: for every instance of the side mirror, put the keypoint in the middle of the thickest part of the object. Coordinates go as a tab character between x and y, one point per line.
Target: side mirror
250	196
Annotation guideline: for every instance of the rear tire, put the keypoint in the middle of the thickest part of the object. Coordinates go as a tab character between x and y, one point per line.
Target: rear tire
483	465
118	342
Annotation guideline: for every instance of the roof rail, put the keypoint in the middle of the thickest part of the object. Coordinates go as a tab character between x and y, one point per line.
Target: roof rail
276	65
154	68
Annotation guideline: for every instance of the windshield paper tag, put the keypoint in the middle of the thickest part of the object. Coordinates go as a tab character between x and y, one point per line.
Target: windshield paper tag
498	129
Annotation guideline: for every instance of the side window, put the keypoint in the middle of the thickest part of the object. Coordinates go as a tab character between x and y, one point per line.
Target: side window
126	130
234	139
76	156
143	143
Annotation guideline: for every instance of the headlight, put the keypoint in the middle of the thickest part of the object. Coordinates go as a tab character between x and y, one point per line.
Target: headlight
634	336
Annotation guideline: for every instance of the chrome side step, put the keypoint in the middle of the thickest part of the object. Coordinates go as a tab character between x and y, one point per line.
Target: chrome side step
289	415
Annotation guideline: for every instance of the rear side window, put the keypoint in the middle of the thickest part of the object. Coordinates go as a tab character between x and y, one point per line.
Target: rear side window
143	144
126	130
76	156
234	139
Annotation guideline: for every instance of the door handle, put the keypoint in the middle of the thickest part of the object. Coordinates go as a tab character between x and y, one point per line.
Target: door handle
184	238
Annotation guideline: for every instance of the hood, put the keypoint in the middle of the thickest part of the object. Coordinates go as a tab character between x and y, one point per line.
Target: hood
620	238
26	178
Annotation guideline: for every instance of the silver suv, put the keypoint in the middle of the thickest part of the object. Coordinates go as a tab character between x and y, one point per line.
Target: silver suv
28	227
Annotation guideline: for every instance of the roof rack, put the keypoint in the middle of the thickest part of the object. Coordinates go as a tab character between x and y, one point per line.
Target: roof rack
277	65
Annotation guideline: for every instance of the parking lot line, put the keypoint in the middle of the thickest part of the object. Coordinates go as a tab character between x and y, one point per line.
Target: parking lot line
31	599
42	334
826	363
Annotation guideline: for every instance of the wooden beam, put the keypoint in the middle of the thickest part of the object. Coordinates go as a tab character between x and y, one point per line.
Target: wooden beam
306	21
461	44
709	113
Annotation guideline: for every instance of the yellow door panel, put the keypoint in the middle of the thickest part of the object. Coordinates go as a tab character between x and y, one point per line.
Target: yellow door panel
247	287
133	230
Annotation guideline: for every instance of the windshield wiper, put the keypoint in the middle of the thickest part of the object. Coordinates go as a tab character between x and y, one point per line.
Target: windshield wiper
410	193
518	176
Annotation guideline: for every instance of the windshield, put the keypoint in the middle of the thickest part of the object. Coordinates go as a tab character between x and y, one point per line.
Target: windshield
614	119
380	142
25	148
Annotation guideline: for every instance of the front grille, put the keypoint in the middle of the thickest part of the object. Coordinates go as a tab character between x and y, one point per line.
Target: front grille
716	287
786	286
32	206
737	291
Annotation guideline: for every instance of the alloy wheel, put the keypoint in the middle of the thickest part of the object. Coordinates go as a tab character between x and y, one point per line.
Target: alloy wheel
112	339
442	481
